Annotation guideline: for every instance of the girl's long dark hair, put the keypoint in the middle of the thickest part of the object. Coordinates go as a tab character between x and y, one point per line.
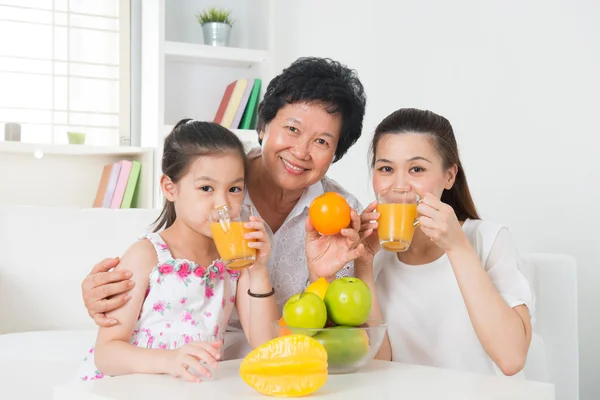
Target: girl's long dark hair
189	140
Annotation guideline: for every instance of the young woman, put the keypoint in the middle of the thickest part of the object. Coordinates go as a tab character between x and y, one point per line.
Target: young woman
456	298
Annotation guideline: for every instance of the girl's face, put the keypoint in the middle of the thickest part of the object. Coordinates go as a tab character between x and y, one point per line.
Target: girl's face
210	182
410	161
299	144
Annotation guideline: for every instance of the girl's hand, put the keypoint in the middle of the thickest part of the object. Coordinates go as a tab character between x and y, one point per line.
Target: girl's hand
190	356
438	222
368	233
327	254
262	241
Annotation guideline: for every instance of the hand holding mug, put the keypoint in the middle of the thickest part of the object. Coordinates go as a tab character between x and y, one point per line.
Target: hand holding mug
368	232
439	223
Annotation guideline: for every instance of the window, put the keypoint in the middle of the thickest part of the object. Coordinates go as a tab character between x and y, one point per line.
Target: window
64	66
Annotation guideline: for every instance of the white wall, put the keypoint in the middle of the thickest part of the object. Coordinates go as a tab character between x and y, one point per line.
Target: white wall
520	81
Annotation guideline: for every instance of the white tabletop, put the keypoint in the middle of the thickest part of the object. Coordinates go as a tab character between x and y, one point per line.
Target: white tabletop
378	380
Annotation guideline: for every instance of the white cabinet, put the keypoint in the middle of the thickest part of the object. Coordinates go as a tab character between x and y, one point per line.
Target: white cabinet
65	175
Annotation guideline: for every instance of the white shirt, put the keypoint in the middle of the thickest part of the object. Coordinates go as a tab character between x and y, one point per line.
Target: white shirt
287	262
427	318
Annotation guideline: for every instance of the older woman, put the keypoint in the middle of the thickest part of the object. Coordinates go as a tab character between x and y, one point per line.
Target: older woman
311	114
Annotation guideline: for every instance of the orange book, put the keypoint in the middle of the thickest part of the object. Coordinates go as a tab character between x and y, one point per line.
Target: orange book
102	186
234	103
224	102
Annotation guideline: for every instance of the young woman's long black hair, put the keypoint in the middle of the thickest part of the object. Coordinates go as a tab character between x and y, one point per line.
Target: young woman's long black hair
439	129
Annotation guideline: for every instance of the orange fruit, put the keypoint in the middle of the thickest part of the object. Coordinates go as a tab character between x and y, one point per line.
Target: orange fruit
283	331
318	287
329	213
288	366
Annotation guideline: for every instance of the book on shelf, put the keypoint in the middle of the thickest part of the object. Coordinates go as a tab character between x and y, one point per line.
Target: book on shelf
118	185
239	104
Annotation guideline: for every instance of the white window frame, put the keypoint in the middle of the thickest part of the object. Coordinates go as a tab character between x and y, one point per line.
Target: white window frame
124	66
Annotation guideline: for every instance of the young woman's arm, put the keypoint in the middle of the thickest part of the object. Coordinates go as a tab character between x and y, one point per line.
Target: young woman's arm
501	319
364	271
257	314
496	296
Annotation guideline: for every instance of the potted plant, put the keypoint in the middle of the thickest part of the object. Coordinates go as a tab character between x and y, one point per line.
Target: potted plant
216	26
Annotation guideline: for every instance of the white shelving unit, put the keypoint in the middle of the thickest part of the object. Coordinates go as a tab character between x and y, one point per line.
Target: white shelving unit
184	78
65	175
210	55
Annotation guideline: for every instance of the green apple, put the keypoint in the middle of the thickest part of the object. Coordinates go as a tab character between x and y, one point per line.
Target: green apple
305	310
345	346
348	301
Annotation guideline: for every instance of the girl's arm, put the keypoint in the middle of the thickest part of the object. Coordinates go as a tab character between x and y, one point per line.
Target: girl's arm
113	353
257	314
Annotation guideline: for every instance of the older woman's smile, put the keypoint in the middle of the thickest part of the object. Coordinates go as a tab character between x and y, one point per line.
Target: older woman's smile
293	168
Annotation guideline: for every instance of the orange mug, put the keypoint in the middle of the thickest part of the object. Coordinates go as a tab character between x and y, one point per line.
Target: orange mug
227	227
397	210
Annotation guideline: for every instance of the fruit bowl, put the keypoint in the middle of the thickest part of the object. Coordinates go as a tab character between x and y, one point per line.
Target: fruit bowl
348	348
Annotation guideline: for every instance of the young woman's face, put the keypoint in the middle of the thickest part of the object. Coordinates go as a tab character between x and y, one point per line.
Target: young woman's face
299	144
410	161
210	182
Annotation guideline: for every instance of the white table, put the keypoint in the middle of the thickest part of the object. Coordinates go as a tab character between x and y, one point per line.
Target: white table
378	380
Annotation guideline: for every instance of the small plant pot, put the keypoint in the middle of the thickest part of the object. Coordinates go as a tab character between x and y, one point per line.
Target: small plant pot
216	33
76	137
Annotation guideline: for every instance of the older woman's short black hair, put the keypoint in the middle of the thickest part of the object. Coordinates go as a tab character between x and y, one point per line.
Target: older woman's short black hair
318	80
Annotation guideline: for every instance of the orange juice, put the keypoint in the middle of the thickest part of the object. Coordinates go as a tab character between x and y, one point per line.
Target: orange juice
396	225
232	246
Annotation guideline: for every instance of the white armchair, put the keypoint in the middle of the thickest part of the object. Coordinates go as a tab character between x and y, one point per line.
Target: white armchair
554	352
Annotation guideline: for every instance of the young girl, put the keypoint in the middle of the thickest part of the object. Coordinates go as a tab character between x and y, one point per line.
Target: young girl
456	298
183	295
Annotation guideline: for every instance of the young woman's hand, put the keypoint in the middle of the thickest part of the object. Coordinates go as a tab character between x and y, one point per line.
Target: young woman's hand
327	254
368	233
192	355
262	241
440	224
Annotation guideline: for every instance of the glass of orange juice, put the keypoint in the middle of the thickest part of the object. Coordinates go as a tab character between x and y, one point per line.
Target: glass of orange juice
227	227
397	210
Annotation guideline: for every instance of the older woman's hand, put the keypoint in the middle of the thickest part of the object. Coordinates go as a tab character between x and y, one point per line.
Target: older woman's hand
327	254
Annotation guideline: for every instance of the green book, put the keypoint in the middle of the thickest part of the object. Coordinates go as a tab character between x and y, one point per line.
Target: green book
131	185
249	117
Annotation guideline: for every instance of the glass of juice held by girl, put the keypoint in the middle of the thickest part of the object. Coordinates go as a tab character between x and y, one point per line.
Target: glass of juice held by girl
227	227
397	219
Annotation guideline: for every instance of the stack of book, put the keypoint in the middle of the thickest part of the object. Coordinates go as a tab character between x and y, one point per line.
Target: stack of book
118	184
239	104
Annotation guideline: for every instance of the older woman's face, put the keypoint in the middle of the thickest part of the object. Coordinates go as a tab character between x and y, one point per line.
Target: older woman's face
299	144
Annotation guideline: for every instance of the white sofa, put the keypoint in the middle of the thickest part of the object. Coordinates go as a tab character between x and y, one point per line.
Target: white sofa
46	253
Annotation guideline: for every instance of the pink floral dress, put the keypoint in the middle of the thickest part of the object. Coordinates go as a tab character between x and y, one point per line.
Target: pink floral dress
184	302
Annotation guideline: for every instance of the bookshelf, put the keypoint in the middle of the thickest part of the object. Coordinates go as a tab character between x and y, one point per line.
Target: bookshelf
184	78
217	56
65	175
